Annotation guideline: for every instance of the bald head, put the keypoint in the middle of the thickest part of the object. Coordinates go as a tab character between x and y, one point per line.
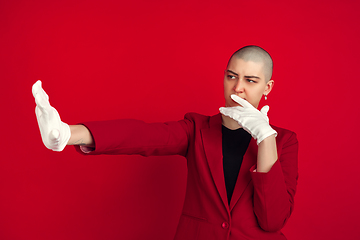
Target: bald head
258	55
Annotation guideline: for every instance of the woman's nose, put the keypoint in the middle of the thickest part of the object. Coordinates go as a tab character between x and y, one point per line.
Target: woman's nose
239	86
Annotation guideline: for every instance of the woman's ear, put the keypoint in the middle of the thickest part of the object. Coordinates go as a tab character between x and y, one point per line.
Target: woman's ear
269	86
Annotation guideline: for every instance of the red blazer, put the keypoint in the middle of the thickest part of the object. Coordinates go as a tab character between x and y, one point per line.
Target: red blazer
261	202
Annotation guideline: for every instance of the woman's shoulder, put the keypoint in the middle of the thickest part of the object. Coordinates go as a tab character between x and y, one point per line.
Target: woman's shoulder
282	130
194	115
285	136
200	121
197	117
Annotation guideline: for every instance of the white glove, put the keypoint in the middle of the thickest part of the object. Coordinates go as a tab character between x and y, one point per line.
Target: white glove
252	120
55	134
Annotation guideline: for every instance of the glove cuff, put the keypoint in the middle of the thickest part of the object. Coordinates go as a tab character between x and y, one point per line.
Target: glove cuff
266	134
66	134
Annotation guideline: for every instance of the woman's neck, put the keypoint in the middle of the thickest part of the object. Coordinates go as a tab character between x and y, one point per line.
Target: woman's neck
230	123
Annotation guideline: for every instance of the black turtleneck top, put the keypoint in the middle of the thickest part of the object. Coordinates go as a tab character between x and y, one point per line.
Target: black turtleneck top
234	146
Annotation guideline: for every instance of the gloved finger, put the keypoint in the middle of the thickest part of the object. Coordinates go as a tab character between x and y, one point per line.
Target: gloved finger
38	112
231	112
54	135
37	89
241	101
265	109
236	109
225	111
41	103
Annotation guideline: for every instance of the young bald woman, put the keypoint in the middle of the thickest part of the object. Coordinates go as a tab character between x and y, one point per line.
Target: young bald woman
242	171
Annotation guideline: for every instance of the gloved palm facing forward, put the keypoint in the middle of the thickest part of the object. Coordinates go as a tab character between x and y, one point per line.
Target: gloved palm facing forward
252	120
54	133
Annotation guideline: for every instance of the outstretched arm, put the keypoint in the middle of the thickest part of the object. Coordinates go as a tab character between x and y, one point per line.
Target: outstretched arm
56	134
80	135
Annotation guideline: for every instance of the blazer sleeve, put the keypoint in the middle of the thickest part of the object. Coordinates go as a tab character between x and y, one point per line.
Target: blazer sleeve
129	136
274	191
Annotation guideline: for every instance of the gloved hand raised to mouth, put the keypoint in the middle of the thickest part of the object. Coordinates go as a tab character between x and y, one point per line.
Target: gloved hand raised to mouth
252	120
55	134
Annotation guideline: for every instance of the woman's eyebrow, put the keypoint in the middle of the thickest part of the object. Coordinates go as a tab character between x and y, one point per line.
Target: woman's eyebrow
252	77
232	72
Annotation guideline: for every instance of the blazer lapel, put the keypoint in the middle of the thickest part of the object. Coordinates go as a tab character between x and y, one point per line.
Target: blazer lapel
212	141
244	176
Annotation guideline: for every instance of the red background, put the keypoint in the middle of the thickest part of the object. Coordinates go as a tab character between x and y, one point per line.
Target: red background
155	61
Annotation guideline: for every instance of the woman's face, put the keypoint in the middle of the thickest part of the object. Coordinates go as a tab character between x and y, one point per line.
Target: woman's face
246	80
